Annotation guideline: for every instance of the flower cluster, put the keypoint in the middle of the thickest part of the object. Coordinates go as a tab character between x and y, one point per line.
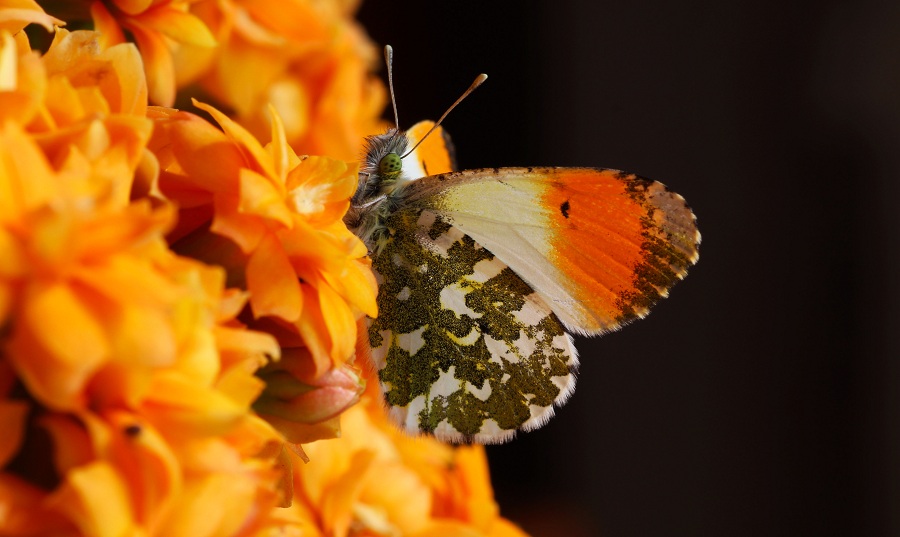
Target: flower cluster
179	302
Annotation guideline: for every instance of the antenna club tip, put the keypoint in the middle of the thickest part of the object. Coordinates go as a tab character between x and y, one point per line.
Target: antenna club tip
478	81
388	48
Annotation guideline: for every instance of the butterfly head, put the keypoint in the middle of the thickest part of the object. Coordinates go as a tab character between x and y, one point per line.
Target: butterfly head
379	180
382	165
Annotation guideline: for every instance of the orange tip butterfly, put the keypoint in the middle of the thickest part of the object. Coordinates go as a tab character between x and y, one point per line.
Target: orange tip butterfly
483	275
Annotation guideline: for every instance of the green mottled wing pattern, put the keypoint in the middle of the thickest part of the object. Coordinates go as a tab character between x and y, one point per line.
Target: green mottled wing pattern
465	349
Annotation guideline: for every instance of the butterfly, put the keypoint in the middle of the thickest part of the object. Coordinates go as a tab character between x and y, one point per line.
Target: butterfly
484	275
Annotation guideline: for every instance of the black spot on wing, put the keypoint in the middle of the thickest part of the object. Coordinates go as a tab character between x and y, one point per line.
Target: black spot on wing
564	209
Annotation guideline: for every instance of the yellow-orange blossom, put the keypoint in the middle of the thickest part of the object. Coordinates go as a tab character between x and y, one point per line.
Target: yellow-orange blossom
161	275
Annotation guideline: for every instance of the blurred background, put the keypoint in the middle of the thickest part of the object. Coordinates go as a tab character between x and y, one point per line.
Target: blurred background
762	397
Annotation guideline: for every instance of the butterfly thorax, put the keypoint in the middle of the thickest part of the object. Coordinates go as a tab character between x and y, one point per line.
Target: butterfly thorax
378	193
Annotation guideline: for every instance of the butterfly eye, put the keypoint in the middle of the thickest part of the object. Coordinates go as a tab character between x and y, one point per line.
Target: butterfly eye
390	165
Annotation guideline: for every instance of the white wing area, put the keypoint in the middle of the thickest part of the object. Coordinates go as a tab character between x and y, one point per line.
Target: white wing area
504	218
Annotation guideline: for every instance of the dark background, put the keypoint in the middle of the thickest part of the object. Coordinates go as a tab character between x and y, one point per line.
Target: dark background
761	398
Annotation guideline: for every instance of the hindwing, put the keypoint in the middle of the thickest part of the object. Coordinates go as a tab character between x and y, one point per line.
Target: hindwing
465	348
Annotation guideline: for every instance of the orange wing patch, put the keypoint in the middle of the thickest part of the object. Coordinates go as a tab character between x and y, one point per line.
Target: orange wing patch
436	154
621	240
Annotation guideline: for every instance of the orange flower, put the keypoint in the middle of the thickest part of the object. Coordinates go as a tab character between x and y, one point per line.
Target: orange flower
123	473
159	27
306	58
303	268
128	371
92	287
145	376
375	480
85	107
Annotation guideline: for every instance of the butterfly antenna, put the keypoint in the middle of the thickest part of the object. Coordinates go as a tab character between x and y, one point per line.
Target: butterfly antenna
389	60
479	80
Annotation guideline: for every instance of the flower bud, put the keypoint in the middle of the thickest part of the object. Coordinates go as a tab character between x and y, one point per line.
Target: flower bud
304	407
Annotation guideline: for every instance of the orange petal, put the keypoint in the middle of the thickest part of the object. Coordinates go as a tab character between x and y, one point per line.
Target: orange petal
304	21
142	339
57	345
400	495
178	25
209	159
158	65
471	466
106	25
144	336
319	188
337	504
255	156
182	409
246	231
142	458
339	177
131	97
272	282
73	446
232	84
279	149
243	342
133	7
293	103
261	197
96	499
24	81
129	279
218	503
26	179
9	55
304	433
240	385
13	263
12	422
233	301
21	13
313	330
116	71
340	322
23	510
313	251
357	286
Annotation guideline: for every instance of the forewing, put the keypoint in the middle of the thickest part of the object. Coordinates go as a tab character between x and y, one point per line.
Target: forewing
433	156
599	246
465	349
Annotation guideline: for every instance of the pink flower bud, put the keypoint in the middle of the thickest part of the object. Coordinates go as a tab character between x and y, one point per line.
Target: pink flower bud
309	401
